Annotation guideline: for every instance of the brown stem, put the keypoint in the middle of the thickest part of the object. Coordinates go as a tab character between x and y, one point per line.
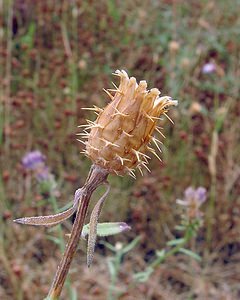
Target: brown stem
96	177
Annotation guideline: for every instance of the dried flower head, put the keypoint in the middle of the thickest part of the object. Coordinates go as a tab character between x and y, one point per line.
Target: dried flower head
119	138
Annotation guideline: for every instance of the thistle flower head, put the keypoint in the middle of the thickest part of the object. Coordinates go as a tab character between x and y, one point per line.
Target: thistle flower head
119	138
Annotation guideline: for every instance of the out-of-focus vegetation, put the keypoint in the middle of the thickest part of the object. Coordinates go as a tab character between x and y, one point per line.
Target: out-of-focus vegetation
55	58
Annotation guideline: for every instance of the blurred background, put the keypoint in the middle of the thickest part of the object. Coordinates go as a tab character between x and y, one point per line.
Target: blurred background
55	58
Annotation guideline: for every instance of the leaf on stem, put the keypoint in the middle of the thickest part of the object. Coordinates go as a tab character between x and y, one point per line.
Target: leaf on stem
47	220
190	253
93	226
107	229
176	242
52	220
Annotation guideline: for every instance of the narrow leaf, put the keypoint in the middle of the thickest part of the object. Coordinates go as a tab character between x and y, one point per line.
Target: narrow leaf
143	276
131	245
47	220
190	253
106	229
93	226
54	239
111	267
180	227
52	219
109	246
176	242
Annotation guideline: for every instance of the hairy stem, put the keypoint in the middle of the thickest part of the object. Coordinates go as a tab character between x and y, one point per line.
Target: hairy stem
96	177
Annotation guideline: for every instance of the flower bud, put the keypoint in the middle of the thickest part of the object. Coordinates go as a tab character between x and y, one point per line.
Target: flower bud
119	137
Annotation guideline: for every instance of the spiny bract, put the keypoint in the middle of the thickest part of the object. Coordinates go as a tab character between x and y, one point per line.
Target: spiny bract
119	138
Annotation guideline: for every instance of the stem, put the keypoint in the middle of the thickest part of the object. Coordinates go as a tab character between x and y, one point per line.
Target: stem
61	239
173	251
213	172
211	211
53	201
117	263
96	177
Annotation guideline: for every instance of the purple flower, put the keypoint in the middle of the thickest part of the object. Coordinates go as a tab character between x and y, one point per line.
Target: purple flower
32	159
35	161
189	193
208	68
42	173
201	194
193	199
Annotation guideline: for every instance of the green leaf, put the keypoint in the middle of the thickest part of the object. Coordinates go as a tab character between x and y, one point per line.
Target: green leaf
54	239
176	242
73	294
111	267
160	253
190	253
28	38
180	227
106	229
113	10
143	276
109	246
131	245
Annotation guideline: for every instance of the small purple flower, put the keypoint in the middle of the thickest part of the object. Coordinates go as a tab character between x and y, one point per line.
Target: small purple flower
189	193
35	161
32	159
201	194
208	68
42	173
193	199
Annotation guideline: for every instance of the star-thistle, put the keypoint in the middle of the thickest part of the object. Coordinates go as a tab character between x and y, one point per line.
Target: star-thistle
120	136
116	143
